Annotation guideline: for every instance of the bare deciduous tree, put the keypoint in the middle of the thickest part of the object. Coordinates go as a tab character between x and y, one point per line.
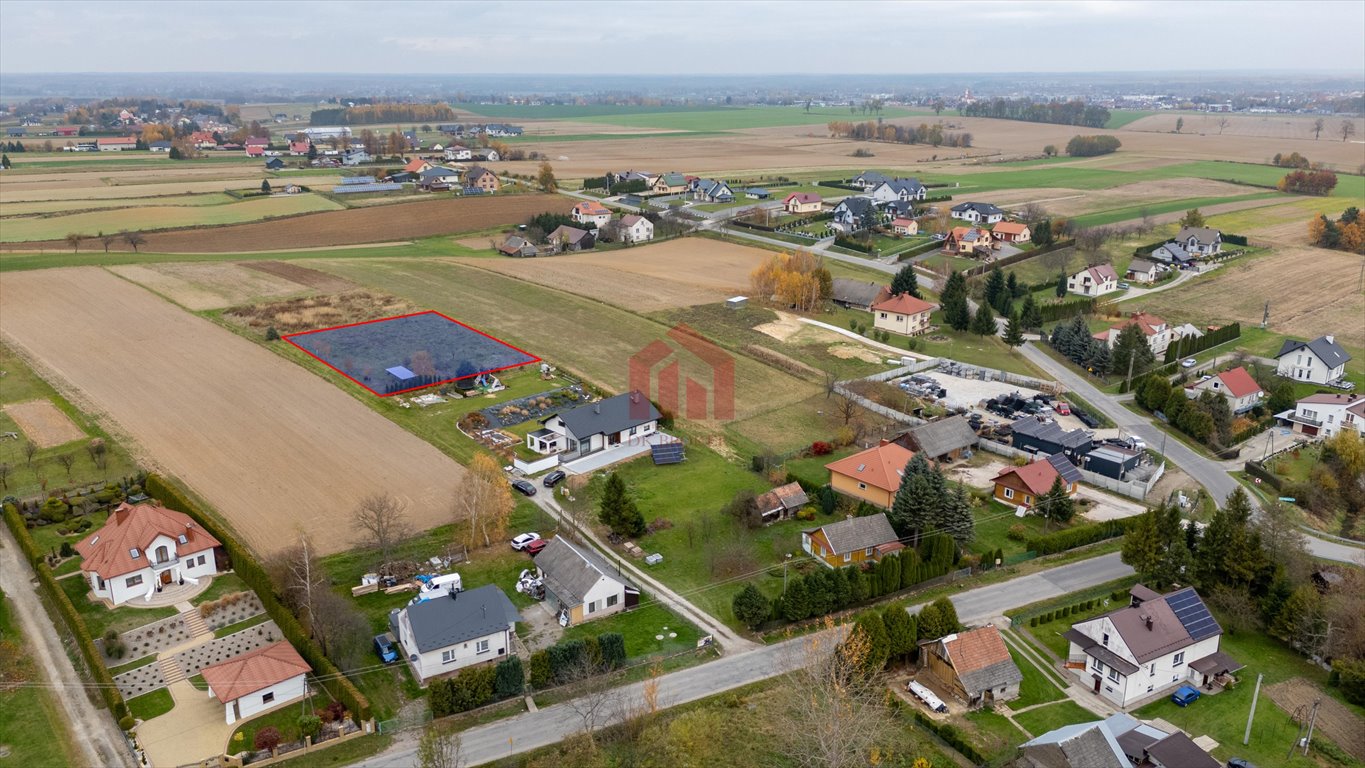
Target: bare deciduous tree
134	240
1318	125
595	699
4	476
846	407
484	500
1058	261
30	448
67	460
1222	123
440	747
383	520
1348	129
75	239
830	381
1031	213
107	240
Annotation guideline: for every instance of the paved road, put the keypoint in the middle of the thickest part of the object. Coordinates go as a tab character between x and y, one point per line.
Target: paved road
92	729
533	730
1211	474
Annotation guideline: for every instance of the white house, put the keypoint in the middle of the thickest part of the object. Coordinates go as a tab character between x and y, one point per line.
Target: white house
596	426
1236	386
591	212
356	157
1155	643
1325	414
978	213
143	548
458	153
1143	271
712	191
870	180
438	177
1200	241
636	229
903	314
1094	281
446	634
802	202
855	213
1159	334
899	189
258	680
1319	361
580	585
1172	253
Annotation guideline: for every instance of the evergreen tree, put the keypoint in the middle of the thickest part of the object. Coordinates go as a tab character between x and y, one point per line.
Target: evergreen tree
751	607
1175	559
900	631
889	574
617	509
818	593
905	281
910	564
953	299
1076	341
857	585
983	324
877	642
1029	314
796	602
1060	290
5	162
1099	359
956	284
1042	233
1142	547
1012	285
958	519
265	186
948	615
996	288
1014	332
838	588
928	622
917	499
1056	505
1300	619
1131	345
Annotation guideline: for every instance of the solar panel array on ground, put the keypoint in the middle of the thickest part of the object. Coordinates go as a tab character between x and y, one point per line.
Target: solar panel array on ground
1193	614
383	186
356	180
667	453
400	354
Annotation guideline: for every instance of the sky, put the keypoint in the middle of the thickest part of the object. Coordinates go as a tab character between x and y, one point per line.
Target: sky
680	37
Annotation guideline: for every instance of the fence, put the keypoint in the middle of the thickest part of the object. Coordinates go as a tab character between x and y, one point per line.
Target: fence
968	371
877	408
1133	489
533	467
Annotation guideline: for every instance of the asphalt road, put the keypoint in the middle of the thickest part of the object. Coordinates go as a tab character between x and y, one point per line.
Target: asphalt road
533	730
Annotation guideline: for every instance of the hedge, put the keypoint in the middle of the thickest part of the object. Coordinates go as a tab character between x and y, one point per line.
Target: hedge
932	245
1252	431
1210	339
103	680
251	572
838	185
853	245
954	737
1067	309
1255	469
1079	536
1235	239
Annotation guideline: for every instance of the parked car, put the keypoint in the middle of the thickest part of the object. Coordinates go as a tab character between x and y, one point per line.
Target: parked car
1188	362
534	547
1185	695
520	541
554	478
383	645
1124	286
1238	762
524	487
1062	408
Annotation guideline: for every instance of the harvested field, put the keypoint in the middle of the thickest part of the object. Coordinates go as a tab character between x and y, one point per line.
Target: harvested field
306	313
1321	302
1143	192
426	218
147	218
677	273
301	275
61	206
276	450
43	423
201	286
1296	127
1342	726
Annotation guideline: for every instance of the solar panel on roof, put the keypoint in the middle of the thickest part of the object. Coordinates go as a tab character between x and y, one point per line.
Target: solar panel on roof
1193	614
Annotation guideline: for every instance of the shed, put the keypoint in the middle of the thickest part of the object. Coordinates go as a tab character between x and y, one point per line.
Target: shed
737	302
944	439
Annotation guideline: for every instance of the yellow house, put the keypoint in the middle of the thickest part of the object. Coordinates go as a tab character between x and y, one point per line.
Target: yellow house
903	226
852	541
802	202
872	475
903	314
671	183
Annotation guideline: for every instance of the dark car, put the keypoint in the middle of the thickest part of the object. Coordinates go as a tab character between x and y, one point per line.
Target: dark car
524	487
534	547
1238	762
554	478
383	645
1185	695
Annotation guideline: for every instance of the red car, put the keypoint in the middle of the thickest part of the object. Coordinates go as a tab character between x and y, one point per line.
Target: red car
1062	408
534	547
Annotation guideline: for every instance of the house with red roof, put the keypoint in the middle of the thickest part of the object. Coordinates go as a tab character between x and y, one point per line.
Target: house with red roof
903	314
116	143
802	202
968	241
1022	486
591	212
257	680
974	666
143	548
300	148
872	475
1012	232
904	226
203	140
1241	391
255	150
1159	334
1095	280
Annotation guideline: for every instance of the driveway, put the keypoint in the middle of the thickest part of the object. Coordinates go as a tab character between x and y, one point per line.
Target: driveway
1107	506
193	730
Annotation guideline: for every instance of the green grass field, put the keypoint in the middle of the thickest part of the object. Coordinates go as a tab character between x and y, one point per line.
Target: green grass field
699	118
150	705
1036	687
1132	212
1121	117
32	724
60	206
1051	716
99	619
640	629
154	217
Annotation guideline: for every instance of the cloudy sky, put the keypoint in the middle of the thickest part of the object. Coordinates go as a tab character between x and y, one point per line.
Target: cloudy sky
681	37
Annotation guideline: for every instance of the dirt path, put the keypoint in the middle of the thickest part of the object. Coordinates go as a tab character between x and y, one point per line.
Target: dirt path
92	729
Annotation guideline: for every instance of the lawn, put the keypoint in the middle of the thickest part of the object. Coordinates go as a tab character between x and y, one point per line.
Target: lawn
223	584
991	733
640	629
1036	687
132	665
285	719
346	753
150	705
47	538
993	523
259	618
99	619
32	723
1046	718
152	217
1050	634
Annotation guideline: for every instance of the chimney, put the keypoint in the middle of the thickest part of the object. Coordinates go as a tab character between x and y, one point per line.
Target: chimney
1148	621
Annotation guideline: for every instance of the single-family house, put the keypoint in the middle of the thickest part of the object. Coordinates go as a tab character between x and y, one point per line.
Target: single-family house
636	229
1024	486
903	314
1118	741
671	183
974	666
712	191
66	130
968	241
516	245
447	634
356	157
482	179
16	131
457	152
1095	280
203	140
485	155
858	294
258	680
872	475
897	209
1200	241
1326	413
758	193
854	213
115	143
619	177
1235	385
1012	232
1158	333
412	140
159	146
905	227
905	190
567	238
977	213
580	585
438	177
256	141
417	165
852	541
1046	437
300	148
591	212
1143	271
802	202
274	164
144	548
1154	643
596	426
781	502
1174	254
1320	361
870	180
943	440
255	150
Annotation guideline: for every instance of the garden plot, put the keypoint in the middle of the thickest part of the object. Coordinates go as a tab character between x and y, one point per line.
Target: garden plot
193	660
144	679
539	406
43	423
152	638
230	609
1336	720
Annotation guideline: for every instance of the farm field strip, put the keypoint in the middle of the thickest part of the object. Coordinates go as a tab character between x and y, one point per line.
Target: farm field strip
198	287
275	449
154	217
60	206
19	191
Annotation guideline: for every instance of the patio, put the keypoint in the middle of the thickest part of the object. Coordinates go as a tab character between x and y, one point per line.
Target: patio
623	452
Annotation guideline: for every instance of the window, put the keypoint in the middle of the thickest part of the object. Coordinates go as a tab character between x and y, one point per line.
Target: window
848	557
1113	674
900	318
1151	670
1098	665
867	552
447	656
481	646
132	581
862	486
1106	639
1009	493
134	553
203	559
883	315
1178	660
268	697
592	607
611	600
181	538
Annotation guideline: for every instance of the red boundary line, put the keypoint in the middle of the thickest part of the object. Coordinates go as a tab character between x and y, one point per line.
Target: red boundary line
289	337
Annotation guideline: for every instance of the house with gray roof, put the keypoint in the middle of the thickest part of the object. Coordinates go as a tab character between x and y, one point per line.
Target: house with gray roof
1201	241
712	191
903	190
858	294
598	426
977	213
1037	435
975	666
870	180
580	585
941	440
446	634
852	541
1320	361
855	213
1172	253
1119	741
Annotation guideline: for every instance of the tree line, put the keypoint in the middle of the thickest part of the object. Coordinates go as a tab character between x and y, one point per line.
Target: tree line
386	112
1074	112
1091	146
899	134
1319	183
1346	233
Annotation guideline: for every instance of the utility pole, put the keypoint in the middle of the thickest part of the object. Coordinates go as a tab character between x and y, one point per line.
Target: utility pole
1246	737
1265	315
1312	721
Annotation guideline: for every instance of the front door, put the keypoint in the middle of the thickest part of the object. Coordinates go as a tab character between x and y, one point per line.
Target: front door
1097	685
166	576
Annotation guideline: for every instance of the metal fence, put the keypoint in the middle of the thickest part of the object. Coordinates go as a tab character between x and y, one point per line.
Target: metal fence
1133	489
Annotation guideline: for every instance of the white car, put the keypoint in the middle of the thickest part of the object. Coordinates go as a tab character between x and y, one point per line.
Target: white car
1187	362
519	543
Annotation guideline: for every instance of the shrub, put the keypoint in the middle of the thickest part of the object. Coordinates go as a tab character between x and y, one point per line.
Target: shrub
267	739
310	726
1033	621
541	670
821	448
1017	532
1350	674
510	679
126	722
